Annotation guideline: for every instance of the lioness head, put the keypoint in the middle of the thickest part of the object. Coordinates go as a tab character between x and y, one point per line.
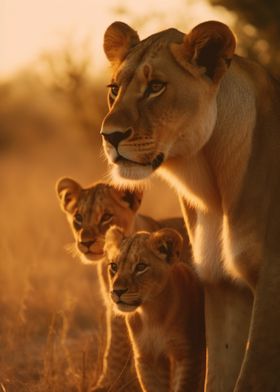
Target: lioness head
91	211
139	265
162	96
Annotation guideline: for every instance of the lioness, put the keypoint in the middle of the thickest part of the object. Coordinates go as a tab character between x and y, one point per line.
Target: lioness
91	212
164	307
185	107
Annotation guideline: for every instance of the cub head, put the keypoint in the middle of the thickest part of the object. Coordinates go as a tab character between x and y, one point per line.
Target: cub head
92	211
139	265
162	96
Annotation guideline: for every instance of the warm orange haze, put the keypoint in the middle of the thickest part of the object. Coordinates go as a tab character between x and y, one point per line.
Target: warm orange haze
30	27
53	77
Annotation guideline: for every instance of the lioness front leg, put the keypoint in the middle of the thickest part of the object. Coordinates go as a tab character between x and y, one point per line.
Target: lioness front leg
227	316
261	366
228	312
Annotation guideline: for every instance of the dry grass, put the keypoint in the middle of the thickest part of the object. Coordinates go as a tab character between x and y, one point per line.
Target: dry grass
49	328
51	312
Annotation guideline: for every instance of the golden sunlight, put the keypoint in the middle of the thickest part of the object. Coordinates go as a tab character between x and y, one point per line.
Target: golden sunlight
30	27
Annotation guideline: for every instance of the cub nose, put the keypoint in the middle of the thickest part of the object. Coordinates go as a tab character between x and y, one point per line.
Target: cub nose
115	138
119	292
87	243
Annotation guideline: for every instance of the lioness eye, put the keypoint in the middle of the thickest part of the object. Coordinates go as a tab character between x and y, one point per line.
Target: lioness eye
140	267
113	267
155	86
106	218
78	219
114	89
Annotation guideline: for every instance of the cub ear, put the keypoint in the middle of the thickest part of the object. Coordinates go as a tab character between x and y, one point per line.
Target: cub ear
127	198
210	45
113	239
119	38
167	244
68	192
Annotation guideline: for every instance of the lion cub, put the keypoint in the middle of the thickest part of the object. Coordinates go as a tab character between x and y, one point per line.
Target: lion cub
163	305
91	212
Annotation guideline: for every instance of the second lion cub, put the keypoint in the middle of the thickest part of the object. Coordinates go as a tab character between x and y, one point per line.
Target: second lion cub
163	305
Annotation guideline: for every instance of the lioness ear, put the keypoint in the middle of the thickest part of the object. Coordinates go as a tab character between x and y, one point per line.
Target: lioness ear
167	244
68	192
127	198
119	38
113	239
209	45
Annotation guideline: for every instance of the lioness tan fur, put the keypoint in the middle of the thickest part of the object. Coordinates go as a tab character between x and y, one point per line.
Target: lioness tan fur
162	301
185	107
91	212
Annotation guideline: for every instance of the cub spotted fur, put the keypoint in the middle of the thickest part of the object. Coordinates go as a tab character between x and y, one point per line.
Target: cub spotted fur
90	212
163	303
186	107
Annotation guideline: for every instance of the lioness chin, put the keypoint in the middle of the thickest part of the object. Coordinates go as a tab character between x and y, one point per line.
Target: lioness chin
185	107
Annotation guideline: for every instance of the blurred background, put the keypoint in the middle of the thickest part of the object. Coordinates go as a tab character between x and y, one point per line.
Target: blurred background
53	75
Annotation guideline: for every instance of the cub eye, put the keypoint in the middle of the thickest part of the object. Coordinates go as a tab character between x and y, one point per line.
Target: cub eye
140	267
78	219
106	218
114	90
155	87
113	267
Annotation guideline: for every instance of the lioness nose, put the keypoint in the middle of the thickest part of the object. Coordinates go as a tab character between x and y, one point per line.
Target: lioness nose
119	292
116	137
